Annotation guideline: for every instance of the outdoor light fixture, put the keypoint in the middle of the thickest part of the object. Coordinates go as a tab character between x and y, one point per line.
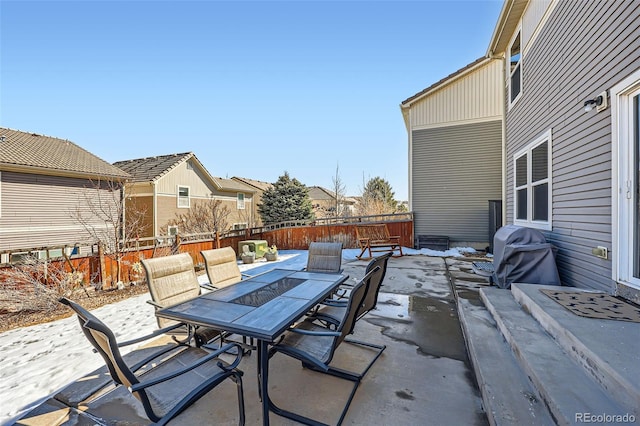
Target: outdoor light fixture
599	103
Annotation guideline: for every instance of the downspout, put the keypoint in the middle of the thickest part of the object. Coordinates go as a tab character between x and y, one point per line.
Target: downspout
504	135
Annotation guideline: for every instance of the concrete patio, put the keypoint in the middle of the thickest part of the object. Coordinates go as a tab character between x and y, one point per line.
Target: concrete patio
425	376
422	377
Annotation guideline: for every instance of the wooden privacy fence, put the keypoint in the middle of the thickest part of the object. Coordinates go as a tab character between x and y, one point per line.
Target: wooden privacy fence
101	269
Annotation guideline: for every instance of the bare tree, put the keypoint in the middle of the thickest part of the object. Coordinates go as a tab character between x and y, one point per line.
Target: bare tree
35	285
101	212
339	192
208	217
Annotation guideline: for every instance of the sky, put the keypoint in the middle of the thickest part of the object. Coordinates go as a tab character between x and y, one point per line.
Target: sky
253	88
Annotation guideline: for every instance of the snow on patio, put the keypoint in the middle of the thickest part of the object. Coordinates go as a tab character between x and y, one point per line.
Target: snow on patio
39	360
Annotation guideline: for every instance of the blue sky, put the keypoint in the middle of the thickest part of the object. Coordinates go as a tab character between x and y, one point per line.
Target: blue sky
252	88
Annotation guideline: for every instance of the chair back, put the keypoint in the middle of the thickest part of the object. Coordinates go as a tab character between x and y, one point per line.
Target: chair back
375	282
222	267
171	279
104	342
356	299
325	257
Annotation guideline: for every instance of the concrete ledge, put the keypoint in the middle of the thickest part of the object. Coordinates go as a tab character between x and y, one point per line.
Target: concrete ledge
566	390
602	347
507	394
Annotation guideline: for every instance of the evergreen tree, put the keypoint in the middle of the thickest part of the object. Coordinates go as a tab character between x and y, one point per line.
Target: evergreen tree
287	200
377	198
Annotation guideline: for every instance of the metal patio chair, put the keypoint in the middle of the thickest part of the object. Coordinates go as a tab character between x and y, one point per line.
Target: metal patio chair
172	279
314	345
333	309
167	386
222	267
324	257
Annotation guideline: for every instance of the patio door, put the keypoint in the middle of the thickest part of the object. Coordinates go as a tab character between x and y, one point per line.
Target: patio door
626	113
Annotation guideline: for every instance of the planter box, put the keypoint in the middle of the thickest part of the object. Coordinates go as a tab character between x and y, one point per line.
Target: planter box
259	247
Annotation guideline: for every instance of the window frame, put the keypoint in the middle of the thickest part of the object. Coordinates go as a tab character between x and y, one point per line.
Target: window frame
624	180
240	203
518	66
529	221
179	197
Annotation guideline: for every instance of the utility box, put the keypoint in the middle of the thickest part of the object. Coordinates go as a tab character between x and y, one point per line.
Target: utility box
259	247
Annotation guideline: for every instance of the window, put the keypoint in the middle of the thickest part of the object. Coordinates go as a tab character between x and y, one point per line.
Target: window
514	58
625	114
237	226
183	197
532	184
240	202
172	230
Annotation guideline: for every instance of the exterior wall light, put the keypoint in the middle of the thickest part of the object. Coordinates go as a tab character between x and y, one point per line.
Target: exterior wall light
599	103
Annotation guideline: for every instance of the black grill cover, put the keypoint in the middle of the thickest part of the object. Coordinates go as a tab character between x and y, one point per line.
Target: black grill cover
523	255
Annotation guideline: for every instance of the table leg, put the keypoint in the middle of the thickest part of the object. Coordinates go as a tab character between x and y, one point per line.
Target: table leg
263	377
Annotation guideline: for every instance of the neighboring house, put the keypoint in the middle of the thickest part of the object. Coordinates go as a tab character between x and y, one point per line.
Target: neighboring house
168	185
324	203
575	174
455	153
259	187
43	182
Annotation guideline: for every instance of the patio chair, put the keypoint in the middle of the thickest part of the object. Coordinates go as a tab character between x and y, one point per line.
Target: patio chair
315	345
163	391
222	267
333	309
325	257
172	279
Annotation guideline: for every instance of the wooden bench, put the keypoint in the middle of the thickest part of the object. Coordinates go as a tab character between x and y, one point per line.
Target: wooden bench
376	238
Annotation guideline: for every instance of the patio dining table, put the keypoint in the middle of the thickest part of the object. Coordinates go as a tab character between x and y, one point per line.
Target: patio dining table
261	307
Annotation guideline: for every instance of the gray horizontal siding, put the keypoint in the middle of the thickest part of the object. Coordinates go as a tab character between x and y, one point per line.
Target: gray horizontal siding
455	171
583	49
37	210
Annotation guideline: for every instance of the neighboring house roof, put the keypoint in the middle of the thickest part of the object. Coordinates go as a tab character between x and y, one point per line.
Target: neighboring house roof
508	21
320	193
258	184
34	153
233	185
445	81
152	168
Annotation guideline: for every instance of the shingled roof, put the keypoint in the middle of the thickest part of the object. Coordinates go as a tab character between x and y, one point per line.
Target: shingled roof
31	152
152	168
233	185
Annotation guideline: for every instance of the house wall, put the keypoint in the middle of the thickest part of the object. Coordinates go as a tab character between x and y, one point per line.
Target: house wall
37	210
455	155
456	171
582	49
474	96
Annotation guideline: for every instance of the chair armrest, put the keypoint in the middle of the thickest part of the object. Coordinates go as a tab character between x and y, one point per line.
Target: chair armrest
209	287
314	333
154	304
138	386
151	335
334	302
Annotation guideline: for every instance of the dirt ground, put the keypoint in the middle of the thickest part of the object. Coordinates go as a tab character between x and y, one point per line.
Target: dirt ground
92	300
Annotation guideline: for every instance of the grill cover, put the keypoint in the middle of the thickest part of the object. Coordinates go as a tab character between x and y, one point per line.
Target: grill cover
523	255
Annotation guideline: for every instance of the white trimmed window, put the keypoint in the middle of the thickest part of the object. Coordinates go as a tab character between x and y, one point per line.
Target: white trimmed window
240	201
172	230
184	201
625	115
532	184
514	65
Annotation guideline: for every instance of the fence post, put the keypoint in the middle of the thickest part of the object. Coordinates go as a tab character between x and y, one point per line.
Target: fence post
102	266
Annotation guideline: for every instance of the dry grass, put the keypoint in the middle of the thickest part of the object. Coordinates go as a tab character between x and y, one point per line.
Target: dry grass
91	299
